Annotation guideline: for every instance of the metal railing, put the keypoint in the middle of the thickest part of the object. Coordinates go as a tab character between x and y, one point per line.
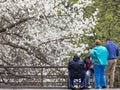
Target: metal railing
37	76
117	77
33	76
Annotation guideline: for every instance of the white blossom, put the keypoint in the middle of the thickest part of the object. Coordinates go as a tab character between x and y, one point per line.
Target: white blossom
52	22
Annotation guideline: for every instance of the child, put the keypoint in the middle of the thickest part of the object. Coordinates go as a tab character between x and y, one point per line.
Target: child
89	71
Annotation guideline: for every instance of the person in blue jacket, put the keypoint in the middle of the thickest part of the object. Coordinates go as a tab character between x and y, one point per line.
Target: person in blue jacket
113	54
76	70
99	56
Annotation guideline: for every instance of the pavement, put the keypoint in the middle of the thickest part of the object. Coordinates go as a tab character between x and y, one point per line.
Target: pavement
55	89
33	89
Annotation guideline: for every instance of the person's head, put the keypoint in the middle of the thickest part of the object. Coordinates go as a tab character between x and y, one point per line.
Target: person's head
98	42
108	39
76	58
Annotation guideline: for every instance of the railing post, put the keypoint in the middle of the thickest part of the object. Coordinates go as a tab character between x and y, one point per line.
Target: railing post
42	77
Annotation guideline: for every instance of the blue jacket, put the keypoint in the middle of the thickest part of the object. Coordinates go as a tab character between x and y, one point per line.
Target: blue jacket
99	55
112	49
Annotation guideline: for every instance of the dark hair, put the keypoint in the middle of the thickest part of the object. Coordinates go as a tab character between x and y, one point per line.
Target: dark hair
108	39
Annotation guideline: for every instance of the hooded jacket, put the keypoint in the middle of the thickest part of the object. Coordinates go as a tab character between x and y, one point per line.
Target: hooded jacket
76	67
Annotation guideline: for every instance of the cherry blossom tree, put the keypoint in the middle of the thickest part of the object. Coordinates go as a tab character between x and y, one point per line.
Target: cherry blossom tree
43	32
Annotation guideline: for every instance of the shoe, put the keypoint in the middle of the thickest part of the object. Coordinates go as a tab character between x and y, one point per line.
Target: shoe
89	87
103	87
82	87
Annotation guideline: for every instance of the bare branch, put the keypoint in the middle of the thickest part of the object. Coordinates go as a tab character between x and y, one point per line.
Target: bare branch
13	25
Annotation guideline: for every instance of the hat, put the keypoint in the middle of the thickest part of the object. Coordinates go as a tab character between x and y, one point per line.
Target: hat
98	42
76	56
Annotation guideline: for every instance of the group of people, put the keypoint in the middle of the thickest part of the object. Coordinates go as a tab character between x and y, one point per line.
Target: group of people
100	64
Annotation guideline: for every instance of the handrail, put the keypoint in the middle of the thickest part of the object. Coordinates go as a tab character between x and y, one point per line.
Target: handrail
40	79
33	80
2	66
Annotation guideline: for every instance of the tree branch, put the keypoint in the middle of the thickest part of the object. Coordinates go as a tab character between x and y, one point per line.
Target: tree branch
29	51
13	25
